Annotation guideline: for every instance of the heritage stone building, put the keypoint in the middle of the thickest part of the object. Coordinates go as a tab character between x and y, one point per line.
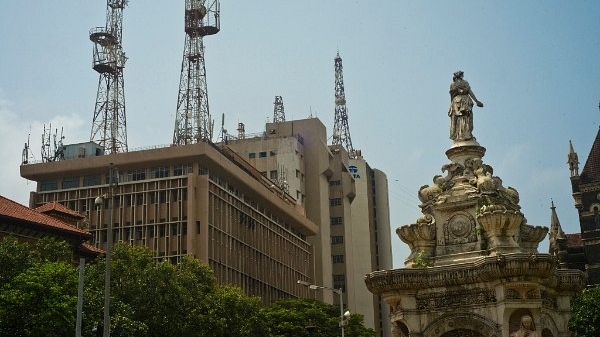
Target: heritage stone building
474	268
583	249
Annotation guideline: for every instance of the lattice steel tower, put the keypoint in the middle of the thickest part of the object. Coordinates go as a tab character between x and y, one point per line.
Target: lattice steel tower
278	111
193	123
341	132
109	128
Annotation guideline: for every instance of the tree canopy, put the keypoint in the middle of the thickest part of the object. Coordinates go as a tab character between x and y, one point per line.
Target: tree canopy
149	298
585	313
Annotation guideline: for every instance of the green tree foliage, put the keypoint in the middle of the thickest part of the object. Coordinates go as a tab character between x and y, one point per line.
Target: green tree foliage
49	249
40	301
585	310
233	313
15	258
291	317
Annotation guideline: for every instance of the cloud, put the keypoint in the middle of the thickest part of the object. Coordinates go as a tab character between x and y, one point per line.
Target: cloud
14	133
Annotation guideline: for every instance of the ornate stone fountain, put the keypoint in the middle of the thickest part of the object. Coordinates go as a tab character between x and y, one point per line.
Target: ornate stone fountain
474	268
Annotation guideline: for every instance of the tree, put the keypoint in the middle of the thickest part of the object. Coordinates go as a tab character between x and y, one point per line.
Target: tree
40	301
291	317
233	313
151	298
15	258
585	311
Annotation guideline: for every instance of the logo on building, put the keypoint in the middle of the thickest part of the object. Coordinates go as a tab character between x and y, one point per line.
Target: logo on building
354	171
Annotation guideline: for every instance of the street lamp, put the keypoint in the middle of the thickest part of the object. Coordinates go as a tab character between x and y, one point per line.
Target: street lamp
112	183
343	315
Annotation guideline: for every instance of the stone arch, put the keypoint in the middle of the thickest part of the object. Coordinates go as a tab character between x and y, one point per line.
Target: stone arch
469	324
547	325
547	333
399	329
514	321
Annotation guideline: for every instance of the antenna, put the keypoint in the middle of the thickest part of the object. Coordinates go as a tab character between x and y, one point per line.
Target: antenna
54	152
278	111
109	128
192	121
341	131
25	153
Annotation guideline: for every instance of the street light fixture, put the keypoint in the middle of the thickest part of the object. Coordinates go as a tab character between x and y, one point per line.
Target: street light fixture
112	183
343	315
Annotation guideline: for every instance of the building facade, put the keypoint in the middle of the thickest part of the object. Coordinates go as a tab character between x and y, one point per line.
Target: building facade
345	197
586	192
199	200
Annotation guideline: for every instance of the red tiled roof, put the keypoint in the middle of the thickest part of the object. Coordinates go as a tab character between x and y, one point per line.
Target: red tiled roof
591	170
90	248
58	207
574	240
16	211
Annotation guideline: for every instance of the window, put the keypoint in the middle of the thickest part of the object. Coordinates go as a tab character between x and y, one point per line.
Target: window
251	155
159	172
334	183
272	153
337	240
338	258
174	230
336	220
335	201
161	230
339	281
183	169
262	154
70	182
136	175
273	174
91	180
150	231
48	185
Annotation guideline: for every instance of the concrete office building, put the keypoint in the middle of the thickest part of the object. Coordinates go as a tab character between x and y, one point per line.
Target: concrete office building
199	200
345	197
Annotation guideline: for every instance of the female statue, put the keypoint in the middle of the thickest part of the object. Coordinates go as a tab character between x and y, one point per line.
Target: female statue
461	108
526	329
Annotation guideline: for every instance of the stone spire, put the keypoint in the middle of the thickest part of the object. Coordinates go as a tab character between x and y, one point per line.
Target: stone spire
573	161
557	238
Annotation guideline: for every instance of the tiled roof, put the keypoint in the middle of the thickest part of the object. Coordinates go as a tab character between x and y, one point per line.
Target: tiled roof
91	248
58	207
591	170
574	240
13	210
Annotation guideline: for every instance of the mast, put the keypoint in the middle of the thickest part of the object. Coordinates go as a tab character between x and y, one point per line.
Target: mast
109	128
341	131
193	123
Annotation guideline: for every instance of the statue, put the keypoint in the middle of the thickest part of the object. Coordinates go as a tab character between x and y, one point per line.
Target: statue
461	108
526	329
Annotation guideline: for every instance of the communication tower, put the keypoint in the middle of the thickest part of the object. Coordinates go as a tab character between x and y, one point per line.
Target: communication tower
193	123
278	111
341	131
109	128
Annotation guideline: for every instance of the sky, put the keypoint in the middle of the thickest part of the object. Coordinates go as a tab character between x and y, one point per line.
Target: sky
534	64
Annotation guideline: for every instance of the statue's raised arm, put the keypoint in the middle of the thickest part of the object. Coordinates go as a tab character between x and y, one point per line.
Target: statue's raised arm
461	108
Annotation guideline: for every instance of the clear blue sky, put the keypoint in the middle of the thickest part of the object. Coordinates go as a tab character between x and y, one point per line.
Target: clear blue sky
534	64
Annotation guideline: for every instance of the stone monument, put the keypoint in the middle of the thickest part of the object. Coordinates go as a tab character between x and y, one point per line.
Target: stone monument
474	269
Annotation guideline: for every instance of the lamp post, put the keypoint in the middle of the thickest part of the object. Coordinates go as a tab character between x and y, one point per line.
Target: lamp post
343	316
112	183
